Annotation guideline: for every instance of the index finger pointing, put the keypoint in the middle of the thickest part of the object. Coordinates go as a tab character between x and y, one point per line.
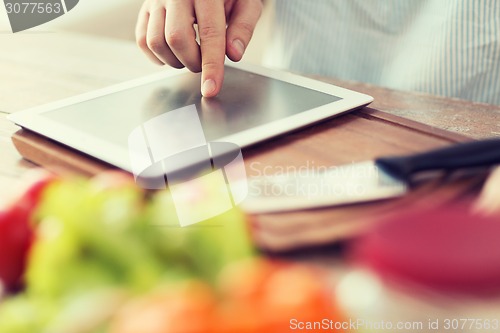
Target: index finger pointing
211	20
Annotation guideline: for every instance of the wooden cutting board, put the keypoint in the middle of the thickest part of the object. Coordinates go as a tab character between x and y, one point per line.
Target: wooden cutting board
357	136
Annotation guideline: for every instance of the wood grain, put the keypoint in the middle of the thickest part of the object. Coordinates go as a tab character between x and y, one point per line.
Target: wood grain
38	68
476	120
56	157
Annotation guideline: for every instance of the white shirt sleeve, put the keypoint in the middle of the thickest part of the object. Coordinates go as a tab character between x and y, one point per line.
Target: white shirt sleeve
448	48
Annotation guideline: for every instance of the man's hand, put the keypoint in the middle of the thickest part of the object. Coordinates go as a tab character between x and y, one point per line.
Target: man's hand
165	32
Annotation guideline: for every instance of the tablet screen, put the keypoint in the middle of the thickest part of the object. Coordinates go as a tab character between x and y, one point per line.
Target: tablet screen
246	100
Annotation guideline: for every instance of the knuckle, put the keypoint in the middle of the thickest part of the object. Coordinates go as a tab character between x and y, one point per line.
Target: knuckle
142	42
210	66
210	32
156	43
245	28
176	39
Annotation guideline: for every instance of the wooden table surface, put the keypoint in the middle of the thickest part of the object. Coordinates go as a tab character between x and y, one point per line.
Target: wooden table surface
43	67
38	68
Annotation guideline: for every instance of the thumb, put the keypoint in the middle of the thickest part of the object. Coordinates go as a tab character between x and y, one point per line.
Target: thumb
241	25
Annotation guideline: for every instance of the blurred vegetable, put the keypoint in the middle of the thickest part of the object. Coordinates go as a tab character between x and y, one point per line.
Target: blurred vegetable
16	231
106	233
15	239
23	314
186	307
254	296
263	296
103	243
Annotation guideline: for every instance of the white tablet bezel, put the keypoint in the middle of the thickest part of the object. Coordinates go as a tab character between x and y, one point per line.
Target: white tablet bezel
31	119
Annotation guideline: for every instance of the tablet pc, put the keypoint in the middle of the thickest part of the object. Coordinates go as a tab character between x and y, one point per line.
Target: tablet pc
254	104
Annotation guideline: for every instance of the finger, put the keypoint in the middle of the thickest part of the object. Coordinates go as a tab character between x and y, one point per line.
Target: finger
211	20
140	36
180	34
155	38
241	25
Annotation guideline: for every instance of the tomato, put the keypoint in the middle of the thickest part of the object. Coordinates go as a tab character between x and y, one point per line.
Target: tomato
296	292
16	232
32	187
263	296
15	240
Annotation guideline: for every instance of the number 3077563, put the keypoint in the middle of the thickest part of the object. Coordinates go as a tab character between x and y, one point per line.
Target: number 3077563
33	8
